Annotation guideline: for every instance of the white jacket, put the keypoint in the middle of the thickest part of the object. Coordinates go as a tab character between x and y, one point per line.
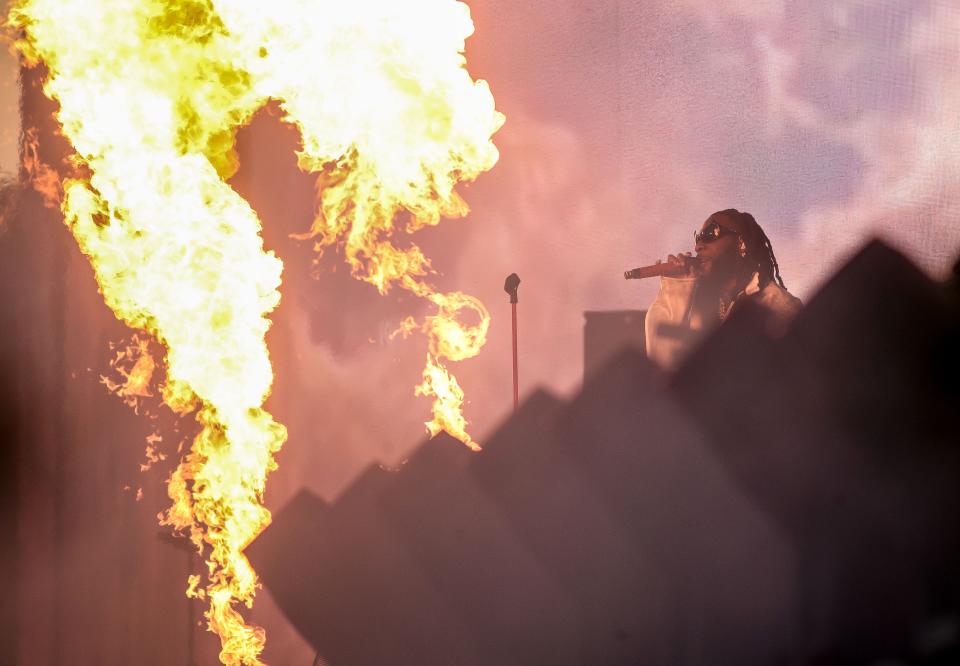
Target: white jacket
675	322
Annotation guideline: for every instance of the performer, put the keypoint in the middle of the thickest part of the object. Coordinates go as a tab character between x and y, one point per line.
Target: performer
734	263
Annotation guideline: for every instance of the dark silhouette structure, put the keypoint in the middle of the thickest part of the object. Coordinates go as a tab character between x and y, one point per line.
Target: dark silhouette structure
774	501
605	332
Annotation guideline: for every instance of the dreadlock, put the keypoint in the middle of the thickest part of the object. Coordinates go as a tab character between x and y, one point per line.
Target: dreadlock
771	257
759	248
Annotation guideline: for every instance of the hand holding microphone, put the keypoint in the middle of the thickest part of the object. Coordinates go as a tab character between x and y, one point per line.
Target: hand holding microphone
680	265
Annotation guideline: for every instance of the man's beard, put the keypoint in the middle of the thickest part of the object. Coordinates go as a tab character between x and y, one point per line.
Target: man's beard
717	272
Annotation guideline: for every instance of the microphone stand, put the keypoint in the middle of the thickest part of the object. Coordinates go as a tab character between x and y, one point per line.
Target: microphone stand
510	286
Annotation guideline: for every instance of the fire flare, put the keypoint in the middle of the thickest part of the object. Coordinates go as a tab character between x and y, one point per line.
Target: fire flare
151	93
392	121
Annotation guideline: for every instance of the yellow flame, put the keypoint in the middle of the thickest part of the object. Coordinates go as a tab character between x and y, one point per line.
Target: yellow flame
151	93
150	100
392	121
134	365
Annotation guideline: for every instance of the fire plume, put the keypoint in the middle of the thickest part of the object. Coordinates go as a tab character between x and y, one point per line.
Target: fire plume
151	94
391	121
150	100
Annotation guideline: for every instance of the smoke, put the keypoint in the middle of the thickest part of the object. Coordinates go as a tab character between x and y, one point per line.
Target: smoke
878	83
9	195
909	190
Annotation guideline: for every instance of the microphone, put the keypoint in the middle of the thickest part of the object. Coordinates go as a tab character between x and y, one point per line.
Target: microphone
663	269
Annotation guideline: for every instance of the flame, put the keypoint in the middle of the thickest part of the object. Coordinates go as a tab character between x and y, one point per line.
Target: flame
134	365
391	121
150	100
41	176
151	93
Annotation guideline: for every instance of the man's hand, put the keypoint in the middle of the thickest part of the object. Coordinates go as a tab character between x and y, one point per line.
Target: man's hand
685	260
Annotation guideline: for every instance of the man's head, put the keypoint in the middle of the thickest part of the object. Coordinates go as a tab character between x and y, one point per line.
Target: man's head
732	244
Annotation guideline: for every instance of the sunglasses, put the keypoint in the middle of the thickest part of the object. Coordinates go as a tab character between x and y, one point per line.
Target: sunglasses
712	232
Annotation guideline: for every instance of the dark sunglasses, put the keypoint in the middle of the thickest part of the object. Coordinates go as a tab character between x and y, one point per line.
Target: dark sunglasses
712	232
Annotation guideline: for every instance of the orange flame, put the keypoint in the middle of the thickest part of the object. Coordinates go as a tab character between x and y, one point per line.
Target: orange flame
150	101
151	93
405	125
135	366
41	176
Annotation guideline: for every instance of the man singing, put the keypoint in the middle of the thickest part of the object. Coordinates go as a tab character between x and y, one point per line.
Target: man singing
734	263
